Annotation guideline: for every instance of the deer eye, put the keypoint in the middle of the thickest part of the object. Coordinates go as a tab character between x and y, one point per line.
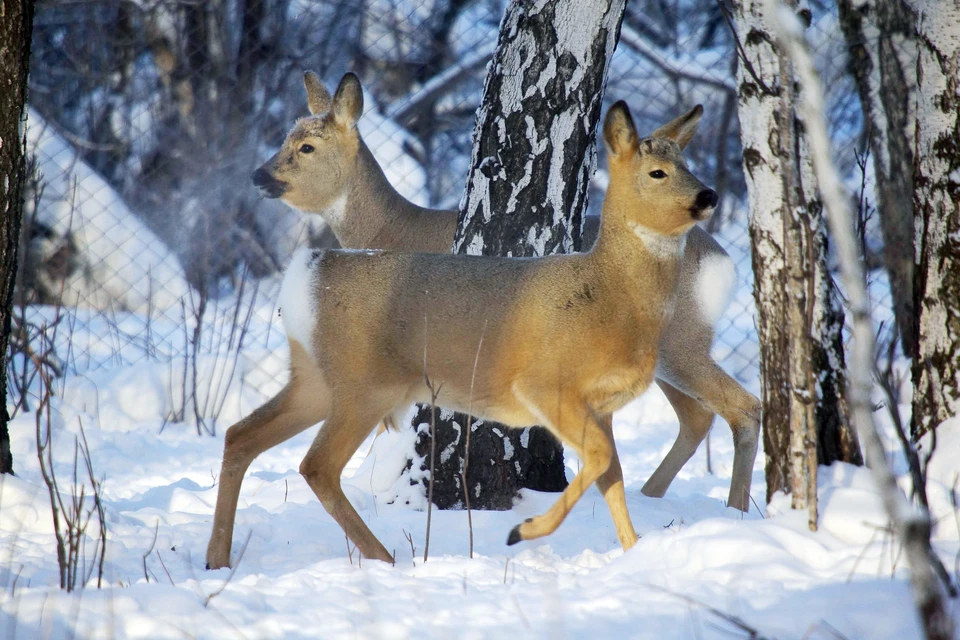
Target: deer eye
658	174
306	148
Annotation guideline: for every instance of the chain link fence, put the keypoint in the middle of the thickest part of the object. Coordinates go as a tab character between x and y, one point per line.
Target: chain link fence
145	243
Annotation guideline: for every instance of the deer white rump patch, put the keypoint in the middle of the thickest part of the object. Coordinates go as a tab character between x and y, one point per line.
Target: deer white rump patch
298	299
716	279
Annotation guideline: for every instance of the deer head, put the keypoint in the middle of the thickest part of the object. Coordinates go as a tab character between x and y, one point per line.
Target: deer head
313	168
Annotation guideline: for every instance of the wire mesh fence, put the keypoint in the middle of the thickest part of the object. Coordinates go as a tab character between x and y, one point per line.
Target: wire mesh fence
145	242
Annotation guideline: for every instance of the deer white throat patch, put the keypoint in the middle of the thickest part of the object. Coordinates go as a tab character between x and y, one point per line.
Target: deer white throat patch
334	214
661	246
298	299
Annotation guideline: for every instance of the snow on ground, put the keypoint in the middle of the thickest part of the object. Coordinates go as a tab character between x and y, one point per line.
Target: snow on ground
295	579
695	563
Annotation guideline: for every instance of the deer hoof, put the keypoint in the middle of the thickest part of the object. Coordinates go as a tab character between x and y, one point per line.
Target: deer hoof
514	536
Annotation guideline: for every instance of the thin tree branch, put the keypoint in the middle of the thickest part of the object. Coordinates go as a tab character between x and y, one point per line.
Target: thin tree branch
440	84
640	46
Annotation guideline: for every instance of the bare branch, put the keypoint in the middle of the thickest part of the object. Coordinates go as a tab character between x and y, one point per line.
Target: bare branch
678	69
440	84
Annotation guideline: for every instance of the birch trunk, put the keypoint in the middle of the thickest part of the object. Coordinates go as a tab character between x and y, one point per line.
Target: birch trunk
799	239
15	29
910	524
798	319
936	369
883	61
834	437
526	195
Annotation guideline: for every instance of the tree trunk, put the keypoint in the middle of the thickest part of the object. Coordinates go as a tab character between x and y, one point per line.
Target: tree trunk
16	24
834	437
910	524
936	369
798	317
882	49
526	195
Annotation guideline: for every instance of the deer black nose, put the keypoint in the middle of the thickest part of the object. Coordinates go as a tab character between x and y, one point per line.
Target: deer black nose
261	178
707	199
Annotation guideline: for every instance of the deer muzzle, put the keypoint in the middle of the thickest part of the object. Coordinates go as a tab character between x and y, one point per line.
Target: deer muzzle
704	204
269	186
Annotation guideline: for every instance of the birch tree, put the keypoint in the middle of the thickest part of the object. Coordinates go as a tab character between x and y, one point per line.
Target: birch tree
910	523
15	27
936	368
533	156
798	317
883	61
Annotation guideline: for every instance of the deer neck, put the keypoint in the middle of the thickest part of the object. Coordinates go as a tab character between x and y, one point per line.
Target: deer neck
645	263
371	213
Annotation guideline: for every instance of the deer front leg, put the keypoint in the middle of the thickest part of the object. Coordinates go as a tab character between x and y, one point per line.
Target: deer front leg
610	484
577	427
302	403
276	421
344	431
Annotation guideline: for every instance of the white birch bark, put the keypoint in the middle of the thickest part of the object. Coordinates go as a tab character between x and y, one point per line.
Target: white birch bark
911	524
882	53
759	109
798	316
936	369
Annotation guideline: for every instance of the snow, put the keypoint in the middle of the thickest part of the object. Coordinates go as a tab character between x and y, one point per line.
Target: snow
128	265
296	579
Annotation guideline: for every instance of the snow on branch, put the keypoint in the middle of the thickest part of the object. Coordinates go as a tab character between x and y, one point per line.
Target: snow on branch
910	523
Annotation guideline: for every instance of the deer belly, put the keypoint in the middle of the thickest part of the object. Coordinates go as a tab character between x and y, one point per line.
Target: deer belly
614	390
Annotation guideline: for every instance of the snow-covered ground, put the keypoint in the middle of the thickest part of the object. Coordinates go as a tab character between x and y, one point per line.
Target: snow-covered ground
697	565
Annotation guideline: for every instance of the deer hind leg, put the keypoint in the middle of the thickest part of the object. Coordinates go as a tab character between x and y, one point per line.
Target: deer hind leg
610	484
576	427
695	421
302	403
703	379
349	424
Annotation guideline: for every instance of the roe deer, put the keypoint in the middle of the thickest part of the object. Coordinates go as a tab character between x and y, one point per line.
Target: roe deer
324	167
561	341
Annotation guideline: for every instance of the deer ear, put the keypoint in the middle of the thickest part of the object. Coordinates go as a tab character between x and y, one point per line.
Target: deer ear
348	101
682	129
619	132
318	98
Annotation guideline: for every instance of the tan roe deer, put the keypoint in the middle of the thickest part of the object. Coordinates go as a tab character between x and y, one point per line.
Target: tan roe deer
561	341
324	167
